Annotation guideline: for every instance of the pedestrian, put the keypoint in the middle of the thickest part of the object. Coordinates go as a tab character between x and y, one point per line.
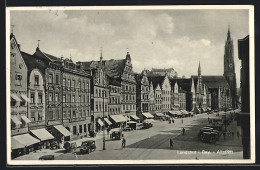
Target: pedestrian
182	121
173	121
171	143
183	131
108	131
224	135
123	143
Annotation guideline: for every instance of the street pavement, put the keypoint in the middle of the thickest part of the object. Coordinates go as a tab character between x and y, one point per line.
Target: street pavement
153	144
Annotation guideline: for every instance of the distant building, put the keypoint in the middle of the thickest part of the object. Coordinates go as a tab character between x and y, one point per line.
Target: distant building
157	93
171	73
114	104
142	93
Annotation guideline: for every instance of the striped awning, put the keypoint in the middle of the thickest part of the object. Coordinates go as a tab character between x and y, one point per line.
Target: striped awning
107	121
25	119
15	120
100	122
25	98
15	97
147	115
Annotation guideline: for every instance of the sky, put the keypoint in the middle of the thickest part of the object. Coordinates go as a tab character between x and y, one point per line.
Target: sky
171	38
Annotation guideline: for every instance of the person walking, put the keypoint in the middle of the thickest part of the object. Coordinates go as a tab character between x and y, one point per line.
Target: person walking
123	143
183	131
171	144
182	121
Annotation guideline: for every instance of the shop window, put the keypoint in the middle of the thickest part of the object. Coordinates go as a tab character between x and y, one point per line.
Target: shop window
36	80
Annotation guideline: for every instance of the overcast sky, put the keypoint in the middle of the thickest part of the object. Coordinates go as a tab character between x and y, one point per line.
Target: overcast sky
155	38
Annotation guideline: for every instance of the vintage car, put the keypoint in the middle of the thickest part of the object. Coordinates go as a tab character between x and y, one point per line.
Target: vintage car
116	134
70	146
47	157
87	146
209	137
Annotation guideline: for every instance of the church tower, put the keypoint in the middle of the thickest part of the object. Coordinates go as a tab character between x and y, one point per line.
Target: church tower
229	67
199	88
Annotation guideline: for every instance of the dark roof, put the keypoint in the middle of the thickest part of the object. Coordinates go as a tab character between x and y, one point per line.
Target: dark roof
113	68
162	70
156	80
45	56
34	63
184	83
212	81
113	81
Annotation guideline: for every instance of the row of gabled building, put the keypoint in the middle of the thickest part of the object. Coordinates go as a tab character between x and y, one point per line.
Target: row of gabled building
55	98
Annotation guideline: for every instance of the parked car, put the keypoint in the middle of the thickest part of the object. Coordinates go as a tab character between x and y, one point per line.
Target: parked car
88	146
116	134
47	157
70	146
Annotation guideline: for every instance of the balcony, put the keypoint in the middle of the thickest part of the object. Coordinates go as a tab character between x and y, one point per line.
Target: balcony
17	131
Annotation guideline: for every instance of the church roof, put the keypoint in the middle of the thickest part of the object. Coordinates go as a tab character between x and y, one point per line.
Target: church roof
183	83
212	81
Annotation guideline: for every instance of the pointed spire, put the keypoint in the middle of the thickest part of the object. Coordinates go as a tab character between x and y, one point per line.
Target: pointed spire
38	43
228	34
101	57
199	69
127	50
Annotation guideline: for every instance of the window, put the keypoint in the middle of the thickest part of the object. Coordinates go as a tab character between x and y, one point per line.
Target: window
36	80
56	97
64	115
73	84
96	106
84	113
80	128
64	82
13	102
99	93
79	85
40	115
64	98
18	77
80	113
87	86
74	130
51	115
50	78
79	99
69	83
32	98
57	79
73	98
85	128
100	106
69	114
32	116
84	87
74	114
39	97
96	92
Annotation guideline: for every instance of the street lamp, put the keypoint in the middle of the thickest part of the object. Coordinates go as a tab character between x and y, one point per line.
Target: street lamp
104	140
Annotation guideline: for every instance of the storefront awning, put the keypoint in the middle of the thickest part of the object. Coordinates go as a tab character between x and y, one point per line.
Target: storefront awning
118	118
24	118
15	144
107	121
15	120
42	134
26	139
25	98
159	114
15	97
100	122
134	117
127	118
63	130
147	115
131	122
173	112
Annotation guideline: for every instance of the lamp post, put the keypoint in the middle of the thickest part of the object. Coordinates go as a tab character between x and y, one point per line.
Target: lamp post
104	140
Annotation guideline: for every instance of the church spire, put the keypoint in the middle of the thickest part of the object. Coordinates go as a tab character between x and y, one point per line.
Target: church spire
101	56
228	34
199	70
